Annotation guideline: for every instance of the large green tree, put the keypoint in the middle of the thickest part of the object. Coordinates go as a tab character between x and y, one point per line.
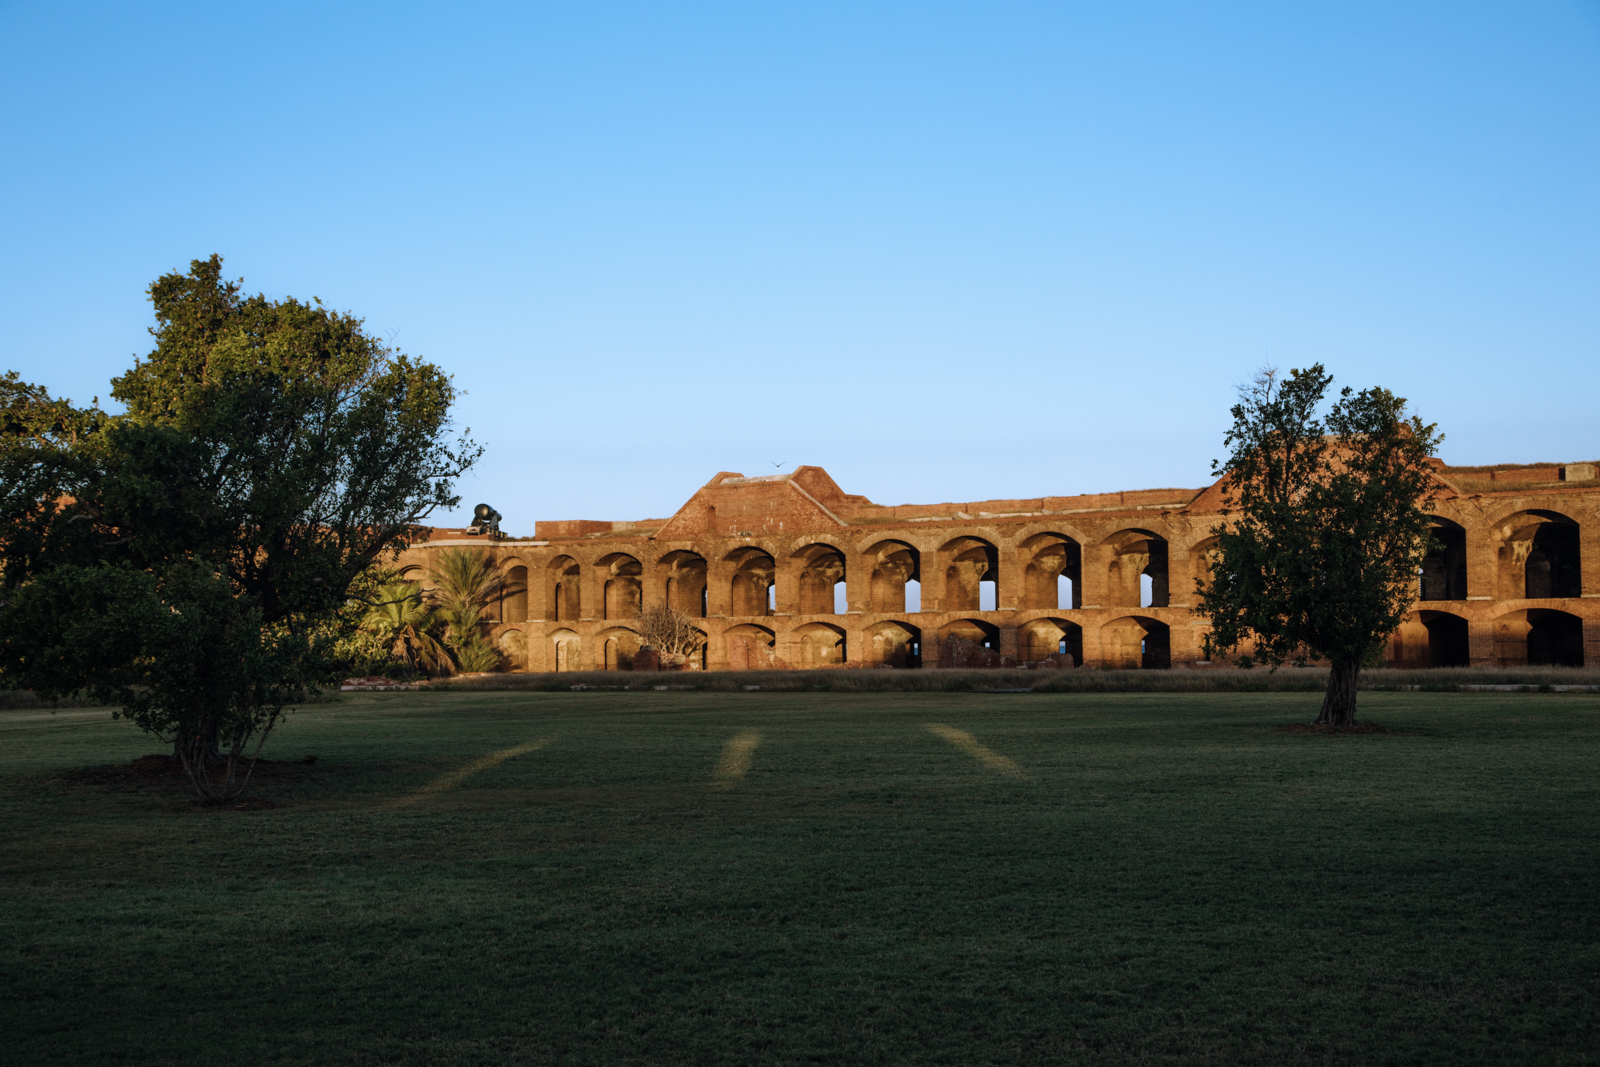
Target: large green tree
182	559
1327	524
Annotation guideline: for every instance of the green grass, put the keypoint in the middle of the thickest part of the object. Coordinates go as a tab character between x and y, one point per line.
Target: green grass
1166	878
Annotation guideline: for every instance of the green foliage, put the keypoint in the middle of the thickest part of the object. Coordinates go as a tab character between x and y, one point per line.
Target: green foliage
1328	525
408	627
477	655
465	584
359	648
271	454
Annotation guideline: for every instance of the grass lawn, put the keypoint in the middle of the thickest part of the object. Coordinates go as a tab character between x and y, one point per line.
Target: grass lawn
777	878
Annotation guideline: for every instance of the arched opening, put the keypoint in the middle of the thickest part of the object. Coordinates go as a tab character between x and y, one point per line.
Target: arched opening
1444	568
1539	637
1053	641
1555	639
1138	570
686	582
617	648
1430	639
1052	577
892	644
969	643
821	645
513	595
562	589
1538	556
624	590
969	564
1136	642
565	651
753	574
1448	645
895	564
749	648
514	646
822	577
1554	567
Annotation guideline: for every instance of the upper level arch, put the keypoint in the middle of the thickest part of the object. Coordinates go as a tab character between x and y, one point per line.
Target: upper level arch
1137	575
820	566
1204	555
754	572
1444	568
622	588
967	562
1052	571
685	577
511	598
563	594
1537	556
893	564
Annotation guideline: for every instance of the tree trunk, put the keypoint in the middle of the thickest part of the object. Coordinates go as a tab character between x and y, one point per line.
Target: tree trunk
185	742
1339	703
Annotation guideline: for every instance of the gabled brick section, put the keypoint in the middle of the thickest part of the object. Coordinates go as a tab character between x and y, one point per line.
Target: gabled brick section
731	505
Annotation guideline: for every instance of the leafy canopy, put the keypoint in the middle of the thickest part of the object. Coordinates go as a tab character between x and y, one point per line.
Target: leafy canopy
408	626
180	557
465	584
1328	522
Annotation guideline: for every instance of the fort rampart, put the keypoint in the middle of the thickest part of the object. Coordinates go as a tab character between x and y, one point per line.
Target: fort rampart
789	571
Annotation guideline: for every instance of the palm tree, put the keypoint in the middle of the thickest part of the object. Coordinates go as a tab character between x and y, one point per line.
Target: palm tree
465	583
402	615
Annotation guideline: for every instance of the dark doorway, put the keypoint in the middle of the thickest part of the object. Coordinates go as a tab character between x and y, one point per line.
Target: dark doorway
1555	639
1156	649
1447	640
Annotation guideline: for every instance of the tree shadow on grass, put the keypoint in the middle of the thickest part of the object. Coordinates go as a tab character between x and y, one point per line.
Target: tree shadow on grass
1326	729
162	774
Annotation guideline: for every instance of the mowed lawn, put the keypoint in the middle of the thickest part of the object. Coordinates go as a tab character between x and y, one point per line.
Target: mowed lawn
721	878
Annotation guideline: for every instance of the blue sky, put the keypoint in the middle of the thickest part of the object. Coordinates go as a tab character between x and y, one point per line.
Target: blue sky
947	251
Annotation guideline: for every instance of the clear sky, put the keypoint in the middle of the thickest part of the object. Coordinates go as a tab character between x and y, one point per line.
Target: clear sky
947	251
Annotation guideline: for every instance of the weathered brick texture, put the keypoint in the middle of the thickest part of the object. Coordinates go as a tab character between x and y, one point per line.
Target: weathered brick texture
789	571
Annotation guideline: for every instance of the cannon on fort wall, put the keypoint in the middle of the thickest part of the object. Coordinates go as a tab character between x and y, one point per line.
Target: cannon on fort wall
485	520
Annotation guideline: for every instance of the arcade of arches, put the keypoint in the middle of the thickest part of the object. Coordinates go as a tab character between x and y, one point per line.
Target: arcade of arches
789	571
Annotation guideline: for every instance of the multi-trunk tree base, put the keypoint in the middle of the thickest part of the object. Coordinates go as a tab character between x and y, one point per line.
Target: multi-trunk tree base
1339	702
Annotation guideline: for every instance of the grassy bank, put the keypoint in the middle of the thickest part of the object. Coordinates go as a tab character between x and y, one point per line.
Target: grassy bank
12	699
1223	680
720	878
